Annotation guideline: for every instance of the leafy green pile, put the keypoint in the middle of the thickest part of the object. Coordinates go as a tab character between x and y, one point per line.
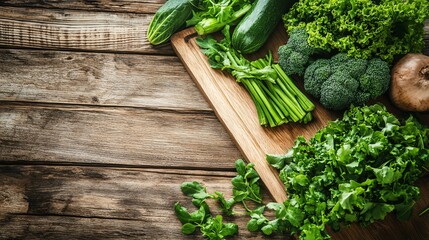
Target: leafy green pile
245	188
356	169
276	97
362	28
211	16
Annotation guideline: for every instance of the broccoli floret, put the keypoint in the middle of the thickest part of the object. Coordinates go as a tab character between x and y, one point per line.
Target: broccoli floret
354	66
318	71
376	78
294	57
338	91
342	81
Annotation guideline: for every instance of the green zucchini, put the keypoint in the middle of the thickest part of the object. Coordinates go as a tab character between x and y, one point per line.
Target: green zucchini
255	28
169	18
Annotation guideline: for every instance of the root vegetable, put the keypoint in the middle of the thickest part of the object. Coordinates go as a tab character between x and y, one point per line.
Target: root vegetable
409	89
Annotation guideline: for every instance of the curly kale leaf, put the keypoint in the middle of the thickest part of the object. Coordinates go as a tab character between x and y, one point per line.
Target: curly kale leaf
362	28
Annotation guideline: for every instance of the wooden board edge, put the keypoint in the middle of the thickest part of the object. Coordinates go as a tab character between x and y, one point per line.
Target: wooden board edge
267	173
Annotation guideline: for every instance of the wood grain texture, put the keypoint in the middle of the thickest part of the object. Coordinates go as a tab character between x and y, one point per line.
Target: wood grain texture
112	203
149	81
109	135
236	111
76	30
130	6
102	203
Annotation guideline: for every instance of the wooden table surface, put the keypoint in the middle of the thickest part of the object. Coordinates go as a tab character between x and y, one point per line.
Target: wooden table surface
98	128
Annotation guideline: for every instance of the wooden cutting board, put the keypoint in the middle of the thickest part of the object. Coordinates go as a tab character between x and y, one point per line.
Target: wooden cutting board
235	109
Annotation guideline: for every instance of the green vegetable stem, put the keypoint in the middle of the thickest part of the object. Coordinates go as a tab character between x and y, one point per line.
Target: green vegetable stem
275	96
424	212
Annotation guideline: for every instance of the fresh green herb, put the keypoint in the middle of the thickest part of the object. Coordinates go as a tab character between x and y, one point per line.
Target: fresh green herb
210	227
362	28
276	97
356	169
212	15
245	188
245	184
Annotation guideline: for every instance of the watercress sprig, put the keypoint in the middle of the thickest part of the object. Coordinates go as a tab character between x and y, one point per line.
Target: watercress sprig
245	188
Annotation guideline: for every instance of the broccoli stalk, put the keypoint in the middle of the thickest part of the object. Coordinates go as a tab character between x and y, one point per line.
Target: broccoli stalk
276	98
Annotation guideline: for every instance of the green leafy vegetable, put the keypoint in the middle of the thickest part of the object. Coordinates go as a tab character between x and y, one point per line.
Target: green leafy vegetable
356	169
245	188
212	15
276	97
362	28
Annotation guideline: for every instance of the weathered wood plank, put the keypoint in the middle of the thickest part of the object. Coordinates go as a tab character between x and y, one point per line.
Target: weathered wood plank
41	201
53	202
77	30
96	78
109	135
132	6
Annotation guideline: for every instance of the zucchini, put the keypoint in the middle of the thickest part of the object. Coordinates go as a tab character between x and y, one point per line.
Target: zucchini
169	18
255	28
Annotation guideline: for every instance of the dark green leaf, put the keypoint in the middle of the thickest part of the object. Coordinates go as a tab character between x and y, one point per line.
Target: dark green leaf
198	215
267	229
182	213
239	195
194	189
240	166
277	161
387	175
252	225
404	210
226	205
188	228
229	229
238	182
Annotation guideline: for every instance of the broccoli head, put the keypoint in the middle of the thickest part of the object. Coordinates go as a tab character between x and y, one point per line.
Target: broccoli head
341	81
294	57
338	91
